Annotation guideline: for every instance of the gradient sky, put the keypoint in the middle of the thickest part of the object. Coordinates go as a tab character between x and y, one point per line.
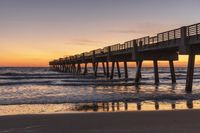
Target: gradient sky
32	32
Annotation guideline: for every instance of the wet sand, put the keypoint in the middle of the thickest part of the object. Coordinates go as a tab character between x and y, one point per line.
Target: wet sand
187	121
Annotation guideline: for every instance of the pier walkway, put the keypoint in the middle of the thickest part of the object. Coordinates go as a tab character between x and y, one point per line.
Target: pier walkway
164	46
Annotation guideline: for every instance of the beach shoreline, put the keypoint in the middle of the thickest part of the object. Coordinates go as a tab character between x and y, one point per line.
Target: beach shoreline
177	121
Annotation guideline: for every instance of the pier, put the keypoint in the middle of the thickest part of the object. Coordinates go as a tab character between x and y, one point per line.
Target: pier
164	46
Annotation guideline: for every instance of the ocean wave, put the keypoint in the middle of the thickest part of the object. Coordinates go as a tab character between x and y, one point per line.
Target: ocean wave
99	98
30	74
41	86
73	83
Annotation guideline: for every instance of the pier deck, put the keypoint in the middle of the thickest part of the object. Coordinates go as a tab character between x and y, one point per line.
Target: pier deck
164	46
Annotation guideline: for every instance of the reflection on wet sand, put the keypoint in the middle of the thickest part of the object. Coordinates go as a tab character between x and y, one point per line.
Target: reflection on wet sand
98	107
140	104
137	106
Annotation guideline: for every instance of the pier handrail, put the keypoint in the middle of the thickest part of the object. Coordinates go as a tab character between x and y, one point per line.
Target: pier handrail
153	40
169	35
99	51
193	29
142	41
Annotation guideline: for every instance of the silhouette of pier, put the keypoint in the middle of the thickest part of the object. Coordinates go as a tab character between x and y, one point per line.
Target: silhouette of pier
164	46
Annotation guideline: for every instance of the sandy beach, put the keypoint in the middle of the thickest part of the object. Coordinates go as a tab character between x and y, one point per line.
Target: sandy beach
122	122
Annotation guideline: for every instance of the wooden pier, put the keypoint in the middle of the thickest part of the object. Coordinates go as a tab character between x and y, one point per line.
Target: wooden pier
164	46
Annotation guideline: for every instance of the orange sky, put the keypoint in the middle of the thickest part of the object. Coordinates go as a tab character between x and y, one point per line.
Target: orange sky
36	55
43	62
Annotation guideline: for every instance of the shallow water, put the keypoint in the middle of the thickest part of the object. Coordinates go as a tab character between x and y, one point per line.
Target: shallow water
31	87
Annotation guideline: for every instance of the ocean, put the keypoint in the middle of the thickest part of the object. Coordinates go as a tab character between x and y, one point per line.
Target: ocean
39	90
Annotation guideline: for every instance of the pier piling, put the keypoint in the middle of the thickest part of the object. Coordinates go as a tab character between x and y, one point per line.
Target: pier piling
118	70
125	70
104	69
112	70
138	71
85	69
190	72
107	68
172	71
156	74
96	68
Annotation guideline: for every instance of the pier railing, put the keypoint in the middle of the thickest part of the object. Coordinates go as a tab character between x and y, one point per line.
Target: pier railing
161	37
143	41
193	30
169	35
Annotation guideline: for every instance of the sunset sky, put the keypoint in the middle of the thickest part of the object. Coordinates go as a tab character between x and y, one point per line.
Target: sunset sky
33	32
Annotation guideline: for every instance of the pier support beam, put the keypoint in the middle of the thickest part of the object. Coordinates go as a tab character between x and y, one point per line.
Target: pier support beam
73	68
118	70
96	68
60	68
156	75
125	70
190	73
70	68
57	67
138	72
173	76
112	70
64	68
107	68
85	69
104	69
79	68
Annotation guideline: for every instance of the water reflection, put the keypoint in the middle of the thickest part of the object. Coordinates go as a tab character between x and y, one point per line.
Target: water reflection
189	104
138	106
98	107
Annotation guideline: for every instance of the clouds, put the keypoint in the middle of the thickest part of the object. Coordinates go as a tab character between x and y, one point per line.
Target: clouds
83	42
144	29
124	31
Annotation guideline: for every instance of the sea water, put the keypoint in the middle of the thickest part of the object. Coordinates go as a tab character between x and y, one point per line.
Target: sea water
39	90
